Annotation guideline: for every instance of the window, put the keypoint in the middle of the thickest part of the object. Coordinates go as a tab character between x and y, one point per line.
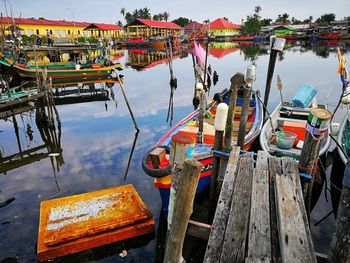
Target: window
57	33
51	31
37	31
63	33
68	32
78	32
30	32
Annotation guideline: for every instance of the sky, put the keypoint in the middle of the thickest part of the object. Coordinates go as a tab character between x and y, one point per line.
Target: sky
106	11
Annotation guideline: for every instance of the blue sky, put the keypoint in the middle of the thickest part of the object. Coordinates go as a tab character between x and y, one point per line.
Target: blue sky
105	11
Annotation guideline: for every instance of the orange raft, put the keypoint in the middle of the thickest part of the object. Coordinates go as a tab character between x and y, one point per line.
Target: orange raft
76	223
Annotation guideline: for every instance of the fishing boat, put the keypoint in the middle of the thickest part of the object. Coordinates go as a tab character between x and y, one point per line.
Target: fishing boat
285	121
202	152
31	73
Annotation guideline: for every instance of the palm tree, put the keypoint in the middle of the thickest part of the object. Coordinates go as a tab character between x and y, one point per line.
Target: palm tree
123	11
166	16
145	13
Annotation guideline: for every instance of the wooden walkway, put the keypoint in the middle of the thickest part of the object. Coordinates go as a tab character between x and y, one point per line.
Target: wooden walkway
260	215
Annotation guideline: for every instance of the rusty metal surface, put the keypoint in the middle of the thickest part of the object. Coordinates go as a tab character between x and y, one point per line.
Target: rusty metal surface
69	218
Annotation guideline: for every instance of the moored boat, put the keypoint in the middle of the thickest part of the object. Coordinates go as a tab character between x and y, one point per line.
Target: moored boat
31	73
202	152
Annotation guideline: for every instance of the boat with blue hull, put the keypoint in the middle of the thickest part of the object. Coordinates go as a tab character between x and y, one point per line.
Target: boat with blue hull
202	152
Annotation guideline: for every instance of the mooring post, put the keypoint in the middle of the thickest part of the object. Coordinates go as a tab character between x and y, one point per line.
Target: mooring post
183	206
236	81
244	116
340	245
219	124
180	144
277	45
316	127
202	110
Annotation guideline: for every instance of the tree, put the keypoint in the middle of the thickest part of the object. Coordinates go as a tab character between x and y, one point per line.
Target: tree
265	21
225	18
123	11
119	23
252	24
181	21
325	19
283	18
166	16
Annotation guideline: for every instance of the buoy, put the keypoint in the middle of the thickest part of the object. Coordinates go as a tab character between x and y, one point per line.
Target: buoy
221	116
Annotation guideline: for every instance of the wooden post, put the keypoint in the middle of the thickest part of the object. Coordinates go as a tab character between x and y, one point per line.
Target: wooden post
236	81
317	125
220	122
183	205
340	246
276	46
244	116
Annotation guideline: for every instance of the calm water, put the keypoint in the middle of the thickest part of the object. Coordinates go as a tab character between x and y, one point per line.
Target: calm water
97	137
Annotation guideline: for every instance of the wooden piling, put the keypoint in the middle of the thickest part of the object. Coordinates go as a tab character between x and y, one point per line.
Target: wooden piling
244	116
340	245
310	151
236	81
183	206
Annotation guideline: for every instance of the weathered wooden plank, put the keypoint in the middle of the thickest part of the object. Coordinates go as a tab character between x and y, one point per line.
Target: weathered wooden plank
257	260
198	229
217	232
294	242
237	227
274	170
259	242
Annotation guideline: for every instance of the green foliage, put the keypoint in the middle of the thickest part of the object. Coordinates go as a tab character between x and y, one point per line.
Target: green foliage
143	13
283	18
325	19
265	21
181	21
252	24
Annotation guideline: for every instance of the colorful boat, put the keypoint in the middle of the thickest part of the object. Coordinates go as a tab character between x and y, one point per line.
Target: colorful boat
64	73
202	152
288	119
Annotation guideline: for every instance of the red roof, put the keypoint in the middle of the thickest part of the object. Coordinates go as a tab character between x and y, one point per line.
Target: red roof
193	26
221	23
221	52
103	26
34	21
158	24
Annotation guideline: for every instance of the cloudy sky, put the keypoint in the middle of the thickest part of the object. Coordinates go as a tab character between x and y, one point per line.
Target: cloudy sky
109	10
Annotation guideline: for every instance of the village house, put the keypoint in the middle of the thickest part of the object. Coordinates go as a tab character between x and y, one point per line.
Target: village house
58	28
222	28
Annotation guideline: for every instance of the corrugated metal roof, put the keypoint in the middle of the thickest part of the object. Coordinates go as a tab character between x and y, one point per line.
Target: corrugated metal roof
157	24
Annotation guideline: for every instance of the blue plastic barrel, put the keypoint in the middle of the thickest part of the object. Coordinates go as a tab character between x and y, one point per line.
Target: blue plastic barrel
304	96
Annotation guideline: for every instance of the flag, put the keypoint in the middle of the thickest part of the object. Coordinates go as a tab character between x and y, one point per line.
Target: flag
342	70
199	53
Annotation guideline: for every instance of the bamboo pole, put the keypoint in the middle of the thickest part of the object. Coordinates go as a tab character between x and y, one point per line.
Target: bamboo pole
183	206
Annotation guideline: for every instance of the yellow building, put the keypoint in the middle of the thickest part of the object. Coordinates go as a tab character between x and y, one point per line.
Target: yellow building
58	28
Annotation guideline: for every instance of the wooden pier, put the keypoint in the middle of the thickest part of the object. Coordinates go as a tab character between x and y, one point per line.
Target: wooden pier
260	216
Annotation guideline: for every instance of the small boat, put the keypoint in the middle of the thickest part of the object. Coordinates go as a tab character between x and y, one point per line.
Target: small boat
15	98
287	118
31	73
202	152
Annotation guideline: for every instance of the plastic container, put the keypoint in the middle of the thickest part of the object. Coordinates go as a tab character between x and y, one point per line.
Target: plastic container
285	140
304	96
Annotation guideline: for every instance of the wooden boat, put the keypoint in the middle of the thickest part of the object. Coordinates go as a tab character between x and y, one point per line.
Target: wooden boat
14	99
291	119
202	152
64	73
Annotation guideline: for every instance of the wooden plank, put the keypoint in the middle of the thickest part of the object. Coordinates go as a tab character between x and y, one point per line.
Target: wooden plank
72	217
198	229
237	227
259	242
257	260
217	232
50	252
294	242
275	169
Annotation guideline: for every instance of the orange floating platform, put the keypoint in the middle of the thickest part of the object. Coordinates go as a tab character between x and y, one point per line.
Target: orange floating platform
80	222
